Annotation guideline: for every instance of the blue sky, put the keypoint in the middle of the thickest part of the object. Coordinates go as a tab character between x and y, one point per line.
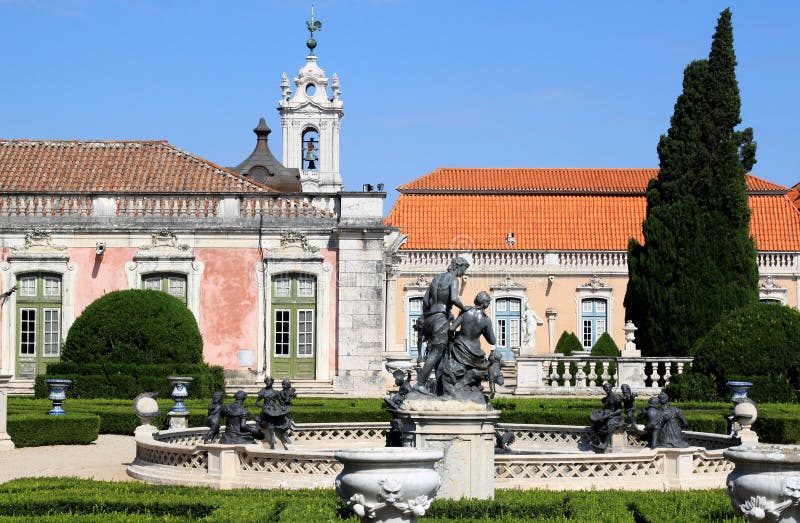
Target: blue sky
425	84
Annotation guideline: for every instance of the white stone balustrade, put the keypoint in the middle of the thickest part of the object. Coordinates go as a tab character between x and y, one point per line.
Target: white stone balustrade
585	375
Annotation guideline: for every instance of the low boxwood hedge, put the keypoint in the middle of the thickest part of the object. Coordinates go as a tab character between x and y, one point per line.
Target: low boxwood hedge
36	430
70	499
126	381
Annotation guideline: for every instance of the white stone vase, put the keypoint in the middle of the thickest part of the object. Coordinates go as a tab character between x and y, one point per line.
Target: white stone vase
765	485
388	485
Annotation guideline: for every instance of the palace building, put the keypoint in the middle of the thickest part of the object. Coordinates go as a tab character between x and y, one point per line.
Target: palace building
281	267
550	246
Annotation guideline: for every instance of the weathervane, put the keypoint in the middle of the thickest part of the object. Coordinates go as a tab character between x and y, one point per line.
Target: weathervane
313	25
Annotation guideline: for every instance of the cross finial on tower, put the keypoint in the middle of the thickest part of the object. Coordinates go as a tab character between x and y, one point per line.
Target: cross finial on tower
313	25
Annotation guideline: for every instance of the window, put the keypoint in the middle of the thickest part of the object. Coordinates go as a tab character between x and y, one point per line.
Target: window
412	334
39	322
172	284
593	321
294	329
508	318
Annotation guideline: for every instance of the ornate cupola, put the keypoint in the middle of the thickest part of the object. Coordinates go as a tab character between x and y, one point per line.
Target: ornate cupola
310	119
261	166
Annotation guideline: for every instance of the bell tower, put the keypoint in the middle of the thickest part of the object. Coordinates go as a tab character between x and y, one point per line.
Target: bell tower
311	119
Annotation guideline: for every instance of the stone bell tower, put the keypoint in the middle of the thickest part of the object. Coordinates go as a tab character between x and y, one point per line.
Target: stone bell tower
311	118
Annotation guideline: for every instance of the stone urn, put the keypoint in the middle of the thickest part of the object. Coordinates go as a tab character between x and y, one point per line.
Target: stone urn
58	393
180	391
765	485
390	485
745	413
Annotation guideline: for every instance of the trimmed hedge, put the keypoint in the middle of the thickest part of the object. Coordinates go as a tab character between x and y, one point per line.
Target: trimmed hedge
134	326
605	346
760	340
36	430
126	381
568	343
70	499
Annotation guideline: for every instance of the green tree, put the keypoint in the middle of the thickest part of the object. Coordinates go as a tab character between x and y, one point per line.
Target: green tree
698	260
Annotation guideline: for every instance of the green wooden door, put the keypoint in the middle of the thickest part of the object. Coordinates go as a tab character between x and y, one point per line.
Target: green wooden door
38	323
293	326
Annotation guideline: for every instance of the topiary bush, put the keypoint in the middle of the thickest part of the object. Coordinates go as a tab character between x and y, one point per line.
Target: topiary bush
757	341
134	326
605	346
128	342
568	343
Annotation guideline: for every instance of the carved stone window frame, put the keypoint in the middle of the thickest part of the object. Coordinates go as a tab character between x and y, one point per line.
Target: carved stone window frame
19	263
292	259
595	288
768	290
508	288
412	290
164	255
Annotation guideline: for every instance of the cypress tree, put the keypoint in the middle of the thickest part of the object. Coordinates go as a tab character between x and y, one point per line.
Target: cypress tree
698	260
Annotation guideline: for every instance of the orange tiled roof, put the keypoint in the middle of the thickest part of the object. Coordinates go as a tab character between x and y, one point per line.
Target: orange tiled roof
448	179
112	166
587	209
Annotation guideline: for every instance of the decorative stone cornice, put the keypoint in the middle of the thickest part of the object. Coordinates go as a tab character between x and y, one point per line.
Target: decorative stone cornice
594	284
508	285
164	241
39	241
294	246
421	284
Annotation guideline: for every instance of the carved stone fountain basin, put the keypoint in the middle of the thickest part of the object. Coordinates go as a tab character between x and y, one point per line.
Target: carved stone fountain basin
765	484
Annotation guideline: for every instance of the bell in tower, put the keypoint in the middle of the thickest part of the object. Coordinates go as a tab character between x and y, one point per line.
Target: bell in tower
310	119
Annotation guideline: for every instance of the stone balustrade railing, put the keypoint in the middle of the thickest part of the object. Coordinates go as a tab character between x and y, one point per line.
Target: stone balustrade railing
585	375
164	205
547	456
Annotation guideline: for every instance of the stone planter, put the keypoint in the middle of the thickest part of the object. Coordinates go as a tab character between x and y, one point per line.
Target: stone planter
58	393
765	485
390	485
180	392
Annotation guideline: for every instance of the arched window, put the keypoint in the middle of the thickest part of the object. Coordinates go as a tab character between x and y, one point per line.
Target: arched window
594	320
39	317
310	149
507	320
172	284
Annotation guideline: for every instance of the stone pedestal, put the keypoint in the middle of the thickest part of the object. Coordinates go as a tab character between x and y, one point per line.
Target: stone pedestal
178	420
631	371
465	432
530	374
5	439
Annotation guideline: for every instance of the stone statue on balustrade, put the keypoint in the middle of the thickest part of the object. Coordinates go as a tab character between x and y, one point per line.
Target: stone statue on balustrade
237	431
437	304
275	408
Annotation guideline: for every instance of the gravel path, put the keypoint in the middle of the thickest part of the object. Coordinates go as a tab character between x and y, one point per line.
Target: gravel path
105	459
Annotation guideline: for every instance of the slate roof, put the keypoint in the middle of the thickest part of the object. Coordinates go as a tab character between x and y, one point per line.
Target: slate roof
48	166
557	209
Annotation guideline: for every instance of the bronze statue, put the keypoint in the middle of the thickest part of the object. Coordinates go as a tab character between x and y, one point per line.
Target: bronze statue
606	421
214	417
237	431
464	365
495	371
629	403
672	424
274	419
439	299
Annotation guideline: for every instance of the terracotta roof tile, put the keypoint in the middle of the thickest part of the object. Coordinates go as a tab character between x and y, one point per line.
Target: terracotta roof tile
112	166
474	209
546	180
